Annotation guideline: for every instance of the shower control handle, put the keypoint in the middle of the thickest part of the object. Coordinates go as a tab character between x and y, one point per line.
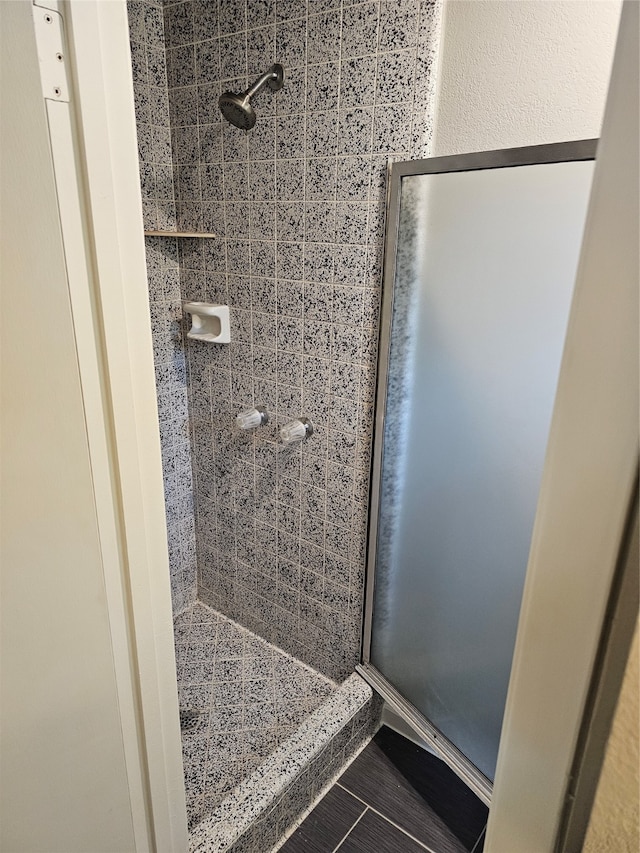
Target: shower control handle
252	418
298	430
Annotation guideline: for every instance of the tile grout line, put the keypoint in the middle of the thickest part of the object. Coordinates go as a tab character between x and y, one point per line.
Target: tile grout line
313	646
307	667
384	817
201	800
344	837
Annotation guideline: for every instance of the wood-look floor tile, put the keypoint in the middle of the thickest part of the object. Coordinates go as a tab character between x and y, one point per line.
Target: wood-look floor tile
460	809
479	845
375	779
374	833
327	824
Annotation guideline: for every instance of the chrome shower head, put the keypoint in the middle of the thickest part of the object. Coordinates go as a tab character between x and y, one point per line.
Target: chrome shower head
237	109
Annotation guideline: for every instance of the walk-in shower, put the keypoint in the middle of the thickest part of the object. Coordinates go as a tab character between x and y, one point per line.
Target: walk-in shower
237	109
284	225
268	539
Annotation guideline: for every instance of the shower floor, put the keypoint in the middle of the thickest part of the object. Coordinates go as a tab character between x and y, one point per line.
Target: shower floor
240	698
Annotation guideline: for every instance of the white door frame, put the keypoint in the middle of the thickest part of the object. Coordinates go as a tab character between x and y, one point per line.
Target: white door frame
586	494
94	150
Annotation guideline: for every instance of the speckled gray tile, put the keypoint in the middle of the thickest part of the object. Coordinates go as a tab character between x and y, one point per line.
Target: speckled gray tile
261	49
233	57
260	12
318	262
358	82
205	20
354	131
323	37
320	222
290	136
234	144
290	9
320	179
291	98
323	86
231	686
298	203
394	77
389	129
398	24
289	302
208	61
232	16
314	751
291	42
352	224
290	175
360	29
322	134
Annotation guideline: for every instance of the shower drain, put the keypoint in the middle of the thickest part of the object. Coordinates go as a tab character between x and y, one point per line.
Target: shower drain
188	718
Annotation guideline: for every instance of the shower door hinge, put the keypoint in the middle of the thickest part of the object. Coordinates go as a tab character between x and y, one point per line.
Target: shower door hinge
49	30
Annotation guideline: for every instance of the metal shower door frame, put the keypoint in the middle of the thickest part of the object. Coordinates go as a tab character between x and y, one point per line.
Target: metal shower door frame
534	155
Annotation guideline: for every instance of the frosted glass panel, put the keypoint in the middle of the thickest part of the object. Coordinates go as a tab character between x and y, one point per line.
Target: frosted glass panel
485	267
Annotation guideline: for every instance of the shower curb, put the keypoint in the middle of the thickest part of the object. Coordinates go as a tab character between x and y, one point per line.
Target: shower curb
261	811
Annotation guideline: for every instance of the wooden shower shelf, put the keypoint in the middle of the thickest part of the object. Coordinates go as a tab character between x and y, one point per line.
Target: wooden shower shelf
178	234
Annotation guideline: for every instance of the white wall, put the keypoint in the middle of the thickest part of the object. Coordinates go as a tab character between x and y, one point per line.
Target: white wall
64	777
522	72
614	826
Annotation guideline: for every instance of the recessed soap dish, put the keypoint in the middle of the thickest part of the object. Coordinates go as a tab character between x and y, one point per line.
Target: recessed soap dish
208	322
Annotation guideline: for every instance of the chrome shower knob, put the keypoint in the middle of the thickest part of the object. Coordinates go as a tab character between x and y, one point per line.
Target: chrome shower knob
298	430
252	418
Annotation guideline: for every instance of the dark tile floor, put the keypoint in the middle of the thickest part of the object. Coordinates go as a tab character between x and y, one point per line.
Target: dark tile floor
394	798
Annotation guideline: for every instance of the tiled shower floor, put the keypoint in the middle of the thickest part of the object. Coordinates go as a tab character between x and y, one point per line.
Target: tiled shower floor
240	698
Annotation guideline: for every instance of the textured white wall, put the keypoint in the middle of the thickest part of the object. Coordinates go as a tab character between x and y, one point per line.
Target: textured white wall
522	72
615	819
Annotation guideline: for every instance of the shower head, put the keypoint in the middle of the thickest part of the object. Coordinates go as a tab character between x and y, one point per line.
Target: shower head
237	109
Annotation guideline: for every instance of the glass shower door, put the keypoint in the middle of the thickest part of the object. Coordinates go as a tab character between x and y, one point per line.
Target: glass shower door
482	253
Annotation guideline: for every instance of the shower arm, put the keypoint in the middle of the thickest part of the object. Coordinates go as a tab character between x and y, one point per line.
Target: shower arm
261	82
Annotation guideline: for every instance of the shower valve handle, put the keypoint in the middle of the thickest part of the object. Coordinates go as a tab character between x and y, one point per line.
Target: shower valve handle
297	430
252	418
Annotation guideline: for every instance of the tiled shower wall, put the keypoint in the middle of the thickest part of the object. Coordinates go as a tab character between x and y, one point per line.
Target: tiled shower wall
297	205
146	29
